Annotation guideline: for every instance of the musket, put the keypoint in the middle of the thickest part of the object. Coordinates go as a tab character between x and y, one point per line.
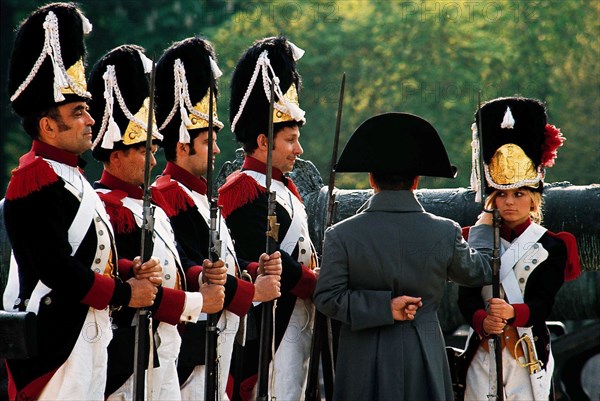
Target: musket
495	256
211	386
143	315
322	325
266	324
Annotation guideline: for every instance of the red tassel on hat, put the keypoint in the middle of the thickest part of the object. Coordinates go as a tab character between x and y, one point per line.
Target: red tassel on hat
33	174
238	190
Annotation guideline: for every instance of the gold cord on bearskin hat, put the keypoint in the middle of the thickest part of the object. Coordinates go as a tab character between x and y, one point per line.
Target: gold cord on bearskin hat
121	77
286	106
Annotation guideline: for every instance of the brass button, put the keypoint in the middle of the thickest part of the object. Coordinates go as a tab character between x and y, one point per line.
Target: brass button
17	301
521	280
534	261
527	267
97	270
97	260
100	232
301	239
26	302
167	276
303	251
536	246
47	300
98	219
101	247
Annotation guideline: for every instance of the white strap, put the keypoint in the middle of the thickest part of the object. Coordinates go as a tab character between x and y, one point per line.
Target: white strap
161	230
81	188
296	210
510	257
519	248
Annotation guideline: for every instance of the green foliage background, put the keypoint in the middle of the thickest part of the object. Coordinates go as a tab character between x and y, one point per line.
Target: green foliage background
430	58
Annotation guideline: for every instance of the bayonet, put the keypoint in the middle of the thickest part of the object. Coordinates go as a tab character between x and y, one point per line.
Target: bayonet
266	327
211	387
499	396
322	324
143	315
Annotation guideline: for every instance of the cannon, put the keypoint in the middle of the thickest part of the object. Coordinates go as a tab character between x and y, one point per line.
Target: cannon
566	208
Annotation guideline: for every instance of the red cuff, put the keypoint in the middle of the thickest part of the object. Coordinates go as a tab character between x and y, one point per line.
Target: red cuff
171	306
252	270
101	292
125	268
306	285
242	299
521	315
478	318
192	275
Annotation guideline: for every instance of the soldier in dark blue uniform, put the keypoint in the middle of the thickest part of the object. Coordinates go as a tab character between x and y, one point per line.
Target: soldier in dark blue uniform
121	90
244	200
61	237
518	145
183	74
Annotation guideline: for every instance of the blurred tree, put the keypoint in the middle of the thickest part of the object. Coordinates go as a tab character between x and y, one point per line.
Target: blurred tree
423	57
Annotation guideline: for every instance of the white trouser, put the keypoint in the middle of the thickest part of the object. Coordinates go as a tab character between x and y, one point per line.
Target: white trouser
481	378
291	358
83	375
193	388
165	383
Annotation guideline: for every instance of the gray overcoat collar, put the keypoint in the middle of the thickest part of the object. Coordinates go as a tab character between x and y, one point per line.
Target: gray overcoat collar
392	201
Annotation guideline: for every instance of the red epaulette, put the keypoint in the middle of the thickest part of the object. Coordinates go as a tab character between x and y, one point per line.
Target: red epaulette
33	174
121	217
238	190
171	195
573	266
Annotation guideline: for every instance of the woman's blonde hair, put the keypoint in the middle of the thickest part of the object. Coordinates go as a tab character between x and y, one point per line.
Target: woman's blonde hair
536	210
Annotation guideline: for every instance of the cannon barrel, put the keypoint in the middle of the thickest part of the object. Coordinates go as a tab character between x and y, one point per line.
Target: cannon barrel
566	208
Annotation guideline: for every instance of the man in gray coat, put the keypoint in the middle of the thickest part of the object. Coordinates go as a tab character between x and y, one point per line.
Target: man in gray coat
384	270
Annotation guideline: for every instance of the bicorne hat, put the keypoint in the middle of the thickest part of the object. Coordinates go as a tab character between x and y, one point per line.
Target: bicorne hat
267	60
47	62
120	100
398	143
183	76
516	142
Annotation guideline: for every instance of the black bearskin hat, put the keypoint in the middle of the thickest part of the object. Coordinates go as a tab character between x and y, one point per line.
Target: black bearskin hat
249	102
516	142
47	62
120	77
183	75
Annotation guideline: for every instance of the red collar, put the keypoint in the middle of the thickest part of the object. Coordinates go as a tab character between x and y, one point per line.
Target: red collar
48	151
250	163
510	234
186	178
112	182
